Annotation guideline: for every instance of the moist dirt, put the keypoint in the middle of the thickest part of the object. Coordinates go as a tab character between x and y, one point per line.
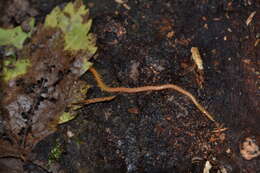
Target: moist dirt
143	42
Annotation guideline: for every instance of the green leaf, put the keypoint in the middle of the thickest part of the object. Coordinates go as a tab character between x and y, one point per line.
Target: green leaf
15	36
13	68
74	23
62	44
66	117
86	65
78	95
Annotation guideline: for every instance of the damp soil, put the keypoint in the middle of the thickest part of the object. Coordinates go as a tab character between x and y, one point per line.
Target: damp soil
143	42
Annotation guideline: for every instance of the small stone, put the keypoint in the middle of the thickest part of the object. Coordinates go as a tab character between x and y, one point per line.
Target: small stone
249	149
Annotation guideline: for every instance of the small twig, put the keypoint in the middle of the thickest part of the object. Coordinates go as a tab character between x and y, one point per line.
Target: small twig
106	88
250	18
95	100
197	58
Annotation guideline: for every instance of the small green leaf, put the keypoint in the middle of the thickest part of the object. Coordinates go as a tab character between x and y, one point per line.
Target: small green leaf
74	23
66	117
86	65
13	68
15	36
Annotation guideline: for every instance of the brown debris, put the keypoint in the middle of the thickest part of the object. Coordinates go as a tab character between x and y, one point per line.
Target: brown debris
133	110
96	100
165	28
34	104
123	2
197	58
249	149
199	64
18	10
257	42
250	18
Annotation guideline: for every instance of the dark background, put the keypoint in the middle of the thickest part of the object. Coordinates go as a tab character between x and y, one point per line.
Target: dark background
149	44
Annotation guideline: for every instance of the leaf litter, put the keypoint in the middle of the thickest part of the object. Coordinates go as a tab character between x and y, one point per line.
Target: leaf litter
41	83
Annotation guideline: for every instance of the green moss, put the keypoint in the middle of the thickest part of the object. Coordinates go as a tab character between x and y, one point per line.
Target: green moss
15	36
72	21
13	68
55	153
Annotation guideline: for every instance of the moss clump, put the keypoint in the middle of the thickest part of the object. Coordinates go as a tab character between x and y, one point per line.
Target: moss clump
55	153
